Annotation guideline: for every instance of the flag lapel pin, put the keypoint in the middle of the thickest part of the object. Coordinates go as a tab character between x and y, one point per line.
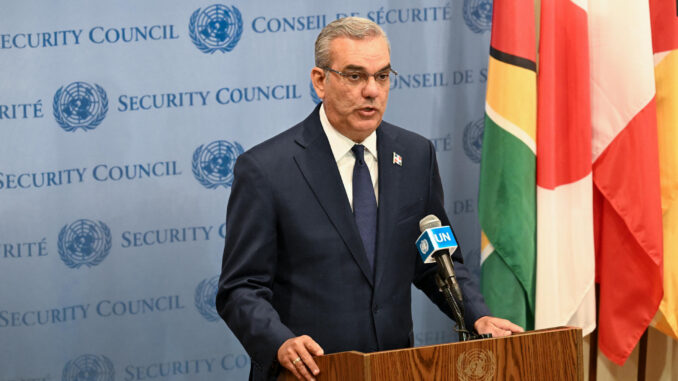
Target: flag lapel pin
397	159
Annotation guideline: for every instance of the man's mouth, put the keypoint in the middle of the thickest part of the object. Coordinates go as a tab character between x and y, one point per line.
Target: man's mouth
367	111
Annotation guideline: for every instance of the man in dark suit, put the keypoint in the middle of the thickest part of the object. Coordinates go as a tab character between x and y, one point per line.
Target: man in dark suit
322	220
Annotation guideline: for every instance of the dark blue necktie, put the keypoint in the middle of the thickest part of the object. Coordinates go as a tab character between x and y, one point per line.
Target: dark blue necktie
364	203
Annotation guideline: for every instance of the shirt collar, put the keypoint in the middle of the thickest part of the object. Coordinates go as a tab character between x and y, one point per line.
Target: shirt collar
339	143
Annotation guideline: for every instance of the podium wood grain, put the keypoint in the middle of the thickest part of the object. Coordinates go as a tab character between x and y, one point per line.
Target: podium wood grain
551	354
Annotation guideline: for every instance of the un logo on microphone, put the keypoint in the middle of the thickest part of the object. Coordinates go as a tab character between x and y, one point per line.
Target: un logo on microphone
80	105
473	140
90	368
423	246
215	28
205	298
478	15
213	164
84	242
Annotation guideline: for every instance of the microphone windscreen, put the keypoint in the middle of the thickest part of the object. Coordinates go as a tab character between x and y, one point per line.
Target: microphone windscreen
429	222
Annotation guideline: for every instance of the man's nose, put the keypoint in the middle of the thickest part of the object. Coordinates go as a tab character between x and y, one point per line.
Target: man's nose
371	88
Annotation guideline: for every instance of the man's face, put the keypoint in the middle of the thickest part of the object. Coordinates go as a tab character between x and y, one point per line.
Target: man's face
355	110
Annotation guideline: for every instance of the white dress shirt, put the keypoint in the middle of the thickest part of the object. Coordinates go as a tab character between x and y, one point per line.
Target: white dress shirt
341	149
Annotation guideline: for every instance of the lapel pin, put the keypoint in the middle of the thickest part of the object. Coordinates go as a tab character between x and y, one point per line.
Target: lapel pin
397	159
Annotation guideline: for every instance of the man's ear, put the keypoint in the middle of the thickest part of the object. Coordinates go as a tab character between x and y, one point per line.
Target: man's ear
318	80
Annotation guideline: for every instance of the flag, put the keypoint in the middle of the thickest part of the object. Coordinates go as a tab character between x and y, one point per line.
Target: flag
565	287
627	206
664	16
506	200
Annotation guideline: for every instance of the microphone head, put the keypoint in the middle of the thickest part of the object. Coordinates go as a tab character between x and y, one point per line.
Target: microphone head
434	238
429	222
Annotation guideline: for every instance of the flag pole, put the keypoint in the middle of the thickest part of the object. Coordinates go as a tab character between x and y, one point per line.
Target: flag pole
642	356
593	352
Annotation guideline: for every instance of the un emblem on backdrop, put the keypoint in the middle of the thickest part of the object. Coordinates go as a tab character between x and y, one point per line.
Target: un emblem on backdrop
89	368
213	164
205	298
217	27
473	140
80	105
84	242
478	15
314	96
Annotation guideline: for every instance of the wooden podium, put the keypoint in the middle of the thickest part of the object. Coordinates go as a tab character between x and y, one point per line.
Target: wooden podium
549	354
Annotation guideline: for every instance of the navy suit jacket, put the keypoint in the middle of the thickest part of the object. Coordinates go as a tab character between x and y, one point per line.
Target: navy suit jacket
294	263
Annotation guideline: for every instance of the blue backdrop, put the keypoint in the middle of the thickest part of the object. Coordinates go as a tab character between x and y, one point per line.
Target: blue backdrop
120	122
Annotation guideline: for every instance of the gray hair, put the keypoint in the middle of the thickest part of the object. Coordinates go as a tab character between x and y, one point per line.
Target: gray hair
356	28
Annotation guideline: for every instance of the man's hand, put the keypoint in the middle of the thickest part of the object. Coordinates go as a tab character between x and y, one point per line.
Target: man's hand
496	326
295	355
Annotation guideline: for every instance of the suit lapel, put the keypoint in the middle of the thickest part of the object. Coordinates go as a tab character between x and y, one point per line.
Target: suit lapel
319	168
390	183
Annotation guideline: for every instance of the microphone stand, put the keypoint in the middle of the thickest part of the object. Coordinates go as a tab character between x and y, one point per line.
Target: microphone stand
457	310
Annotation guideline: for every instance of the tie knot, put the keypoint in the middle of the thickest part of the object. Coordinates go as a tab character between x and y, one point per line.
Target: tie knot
359	152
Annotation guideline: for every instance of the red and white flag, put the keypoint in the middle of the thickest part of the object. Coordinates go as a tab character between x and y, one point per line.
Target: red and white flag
565	292
627	208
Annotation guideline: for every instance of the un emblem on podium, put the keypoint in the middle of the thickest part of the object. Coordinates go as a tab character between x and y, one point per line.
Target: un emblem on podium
217	27
473	140
84	242
213	164
478	15
80	105
90	368
205	298
476	365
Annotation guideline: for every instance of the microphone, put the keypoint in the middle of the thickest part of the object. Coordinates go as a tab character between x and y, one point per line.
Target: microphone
437	244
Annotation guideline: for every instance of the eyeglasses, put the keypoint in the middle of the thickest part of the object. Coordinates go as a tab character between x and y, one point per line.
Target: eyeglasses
357	78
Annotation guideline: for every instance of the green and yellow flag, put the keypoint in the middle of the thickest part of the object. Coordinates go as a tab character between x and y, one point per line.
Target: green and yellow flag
506	201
